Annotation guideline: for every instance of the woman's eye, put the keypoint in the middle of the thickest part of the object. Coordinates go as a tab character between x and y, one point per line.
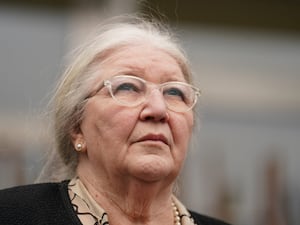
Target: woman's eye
127	87
174	92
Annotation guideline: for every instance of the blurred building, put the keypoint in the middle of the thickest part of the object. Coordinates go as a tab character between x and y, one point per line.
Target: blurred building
243	164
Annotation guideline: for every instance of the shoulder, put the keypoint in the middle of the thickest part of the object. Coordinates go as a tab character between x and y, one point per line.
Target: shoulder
29	193
206	220
35	204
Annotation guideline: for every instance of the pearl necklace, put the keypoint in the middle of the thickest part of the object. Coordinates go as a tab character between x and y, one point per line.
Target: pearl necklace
176	214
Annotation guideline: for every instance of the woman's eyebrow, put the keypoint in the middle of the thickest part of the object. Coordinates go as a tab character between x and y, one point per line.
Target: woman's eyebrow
129	68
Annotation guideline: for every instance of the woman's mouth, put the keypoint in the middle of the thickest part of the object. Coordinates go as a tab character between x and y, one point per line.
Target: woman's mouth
154	137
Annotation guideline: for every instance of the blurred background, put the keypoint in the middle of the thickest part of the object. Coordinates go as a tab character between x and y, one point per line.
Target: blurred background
244	160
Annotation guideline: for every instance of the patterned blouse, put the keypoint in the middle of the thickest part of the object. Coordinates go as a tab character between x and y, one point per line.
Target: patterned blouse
90	212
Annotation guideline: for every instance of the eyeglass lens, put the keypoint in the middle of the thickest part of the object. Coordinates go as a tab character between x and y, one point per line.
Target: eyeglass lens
131	91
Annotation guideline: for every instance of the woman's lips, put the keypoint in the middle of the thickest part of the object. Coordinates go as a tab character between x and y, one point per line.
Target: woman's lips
154	137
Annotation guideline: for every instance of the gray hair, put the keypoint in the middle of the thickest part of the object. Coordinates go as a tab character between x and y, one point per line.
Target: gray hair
75	85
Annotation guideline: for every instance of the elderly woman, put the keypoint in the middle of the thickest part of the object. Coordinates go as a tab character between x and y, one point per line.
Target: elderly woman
123	119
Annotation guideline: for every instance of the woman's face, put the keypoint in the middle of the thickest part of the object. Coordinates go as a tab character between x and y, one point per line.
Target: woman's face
147	142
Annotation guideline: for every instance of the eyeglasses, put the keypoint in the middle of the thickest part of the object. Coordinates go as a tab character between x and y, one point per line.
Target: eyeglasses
132	91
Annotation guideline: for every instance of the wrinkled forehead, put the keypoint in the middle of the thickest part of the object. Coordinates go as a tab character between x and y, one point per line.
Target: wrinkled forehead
141	59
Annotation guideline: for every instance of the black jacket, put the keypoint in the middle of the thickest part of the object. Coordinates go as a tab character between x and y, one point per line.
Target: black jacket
49	204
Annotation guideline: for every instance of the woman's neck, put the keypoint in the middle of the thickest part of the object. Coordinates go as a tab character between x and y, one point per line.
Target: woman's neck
131	201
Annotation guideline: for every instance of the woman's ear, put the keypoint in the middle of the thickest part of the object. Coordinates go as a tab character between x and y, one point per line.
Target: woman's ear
78	140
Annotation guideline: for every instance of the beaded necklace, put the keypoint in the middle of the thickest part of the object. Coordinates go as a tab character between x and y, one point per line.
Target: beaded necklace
176	214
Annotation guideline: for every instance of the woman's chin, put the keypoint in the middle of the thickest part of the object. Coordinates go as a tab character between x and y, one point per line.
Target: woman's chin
151	169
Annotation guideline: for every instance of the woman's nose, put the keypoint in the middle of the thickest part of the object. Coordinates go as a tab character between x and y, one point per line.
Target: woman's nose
155	108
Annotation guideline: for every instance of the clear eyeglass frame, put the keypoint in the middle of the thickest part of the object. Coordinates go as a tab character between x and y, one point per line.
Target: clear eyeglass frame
189	93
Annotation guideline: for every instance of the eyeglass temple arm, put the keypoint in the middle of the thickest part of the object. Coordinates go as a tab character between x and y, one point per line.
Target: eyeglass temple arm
92	94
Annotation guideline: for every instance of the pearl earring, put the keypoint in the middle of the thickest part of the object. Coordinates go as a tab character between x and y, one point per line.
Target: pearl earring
79	147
